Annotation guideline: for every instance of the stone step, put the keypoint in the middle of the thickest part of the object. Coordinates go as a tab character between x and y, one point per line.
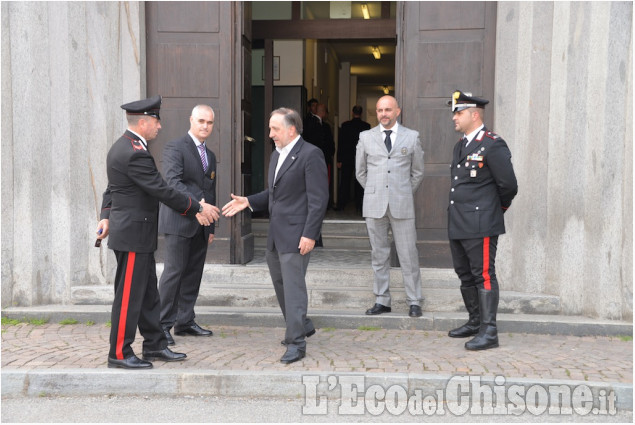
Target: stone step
342	234
260	227
328	287
339	298
340	242
344	319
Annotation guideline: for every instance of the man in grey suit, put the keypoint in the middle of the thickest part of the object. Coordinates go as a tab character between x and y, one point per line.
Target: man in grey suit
190	167
296	198
389	166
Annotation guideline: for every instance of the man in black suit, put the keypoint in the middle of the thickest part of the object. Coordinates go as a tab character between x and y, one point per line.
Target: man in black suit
348	138
483	186
296	197
328	146
190	167
313	132
129	214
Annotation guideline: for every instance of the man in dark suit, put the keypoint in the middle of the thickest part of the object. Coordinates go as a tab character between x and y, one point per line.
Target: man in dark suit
190	167
313	132
296	197
483	186
328	146
129	215
347	144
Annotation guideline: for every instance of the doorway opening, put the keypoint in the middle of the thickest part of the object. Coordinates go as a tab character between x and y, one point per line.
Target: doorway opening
341	54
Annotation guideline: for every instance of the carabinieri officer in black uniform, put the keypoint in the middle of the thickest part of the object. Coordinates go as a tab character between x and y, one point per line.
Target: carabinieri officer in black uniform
129	214
483	186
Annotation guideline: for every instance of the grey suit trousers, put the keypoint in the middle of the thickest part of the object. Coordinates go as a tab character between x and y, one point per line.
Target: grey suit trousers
288	272
405	236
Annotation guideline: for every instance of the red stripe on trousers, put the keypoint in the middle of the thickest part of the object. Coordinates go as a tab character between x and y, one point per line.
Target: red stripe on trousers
486	282
125	300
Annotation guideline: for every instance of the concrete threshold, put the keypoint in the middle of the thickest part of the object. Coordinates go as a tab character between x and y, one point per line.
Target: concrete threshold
308	385
348	319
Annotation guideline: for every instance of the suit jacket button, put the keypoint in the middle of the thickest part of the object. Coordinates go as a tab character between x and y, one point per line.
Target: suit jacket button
452	202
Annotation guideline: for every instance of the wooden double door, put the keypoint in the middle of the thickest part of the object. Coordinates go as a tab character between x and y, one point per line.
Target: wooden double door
200	52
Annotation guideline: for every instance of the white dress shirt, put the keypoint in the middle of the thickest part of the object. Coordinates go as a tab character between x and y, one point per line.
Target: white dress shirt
472	135
393	135
284	152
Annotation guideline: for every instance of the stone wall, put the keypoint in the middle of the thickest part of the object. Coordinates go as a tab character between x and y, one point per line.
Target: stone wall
66	68
564	103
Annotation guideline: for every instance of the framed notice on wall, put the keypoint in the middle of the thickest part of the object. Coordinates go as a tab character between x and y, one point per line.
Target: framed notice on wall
276	68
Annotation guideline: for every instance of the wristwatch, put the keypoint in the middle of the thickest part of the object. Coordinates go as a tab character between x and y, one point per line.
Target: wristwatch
200	208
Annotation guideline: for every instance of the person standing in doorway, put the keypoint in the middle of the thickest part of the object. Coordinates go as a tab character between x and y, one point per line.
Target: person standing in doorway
189	166
347	144
389	166
483	187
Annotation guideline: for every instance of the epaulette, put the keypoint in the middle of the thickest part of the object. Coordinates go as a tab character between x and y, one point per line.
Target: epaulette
492	135
136	145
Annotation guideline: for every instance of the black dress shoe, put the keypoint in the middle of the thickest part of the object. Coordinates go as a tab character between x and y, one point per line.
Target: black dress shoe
132	362
194	330
308	334
378	309
415	311
166	331
166	355
293	354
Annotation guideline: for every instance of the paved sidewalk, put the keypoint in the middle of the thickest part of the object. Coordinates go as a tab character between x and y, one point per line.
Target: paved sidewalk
381	351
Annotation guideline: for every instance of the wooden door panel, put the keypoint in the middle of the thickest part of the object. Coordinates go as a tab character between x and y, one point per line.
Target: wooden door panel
451	15
187	49
184	69
445	46
187	17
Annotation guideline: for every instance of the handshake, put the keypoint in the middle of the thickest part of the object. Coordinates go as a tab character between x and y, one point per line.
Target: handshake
209	214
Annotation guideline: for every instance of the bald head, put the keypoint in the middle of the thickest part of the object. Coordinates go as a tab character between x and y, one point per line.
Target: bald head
387	111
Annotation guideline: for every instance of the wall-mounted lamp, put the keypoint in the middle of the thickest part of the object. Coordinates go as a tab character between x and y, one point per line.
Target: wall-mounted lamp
386	89
365	11
376	52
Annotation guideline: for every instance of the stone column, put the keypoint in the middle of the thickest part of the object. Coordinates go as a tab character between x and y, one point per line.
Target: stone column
564	104
66	66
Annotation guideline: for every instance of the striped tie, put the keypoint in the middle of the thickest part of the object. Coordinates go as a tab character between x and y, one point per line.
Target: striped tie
201	148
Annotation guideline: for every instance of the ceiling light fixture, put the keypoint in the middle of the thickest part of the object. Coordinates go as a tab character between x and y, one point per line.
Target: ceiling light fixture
376	52
365	11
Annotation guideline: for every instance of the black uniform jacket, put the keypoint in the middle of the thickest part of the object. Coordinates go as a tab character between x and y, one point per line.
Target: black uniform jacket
483	186
131	200
183	170
348	138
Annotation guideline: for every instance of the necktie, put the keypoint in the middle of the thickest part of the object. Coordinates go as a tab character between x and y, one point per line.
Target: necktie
463	147
201	149
387	141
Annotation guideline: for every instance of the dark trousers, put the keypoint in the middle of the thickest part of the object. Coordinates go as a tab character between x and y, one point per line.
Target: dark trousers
346	175
136	303
474	261
287	274
181	279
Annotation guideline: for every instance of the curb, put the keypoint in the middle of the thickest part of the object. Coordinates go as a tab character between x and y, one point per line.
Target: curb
271	317
311	386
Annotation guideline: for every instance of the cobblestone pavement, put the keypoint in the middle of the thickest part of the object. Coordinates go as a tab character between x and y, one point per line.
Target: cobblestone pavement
593	358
